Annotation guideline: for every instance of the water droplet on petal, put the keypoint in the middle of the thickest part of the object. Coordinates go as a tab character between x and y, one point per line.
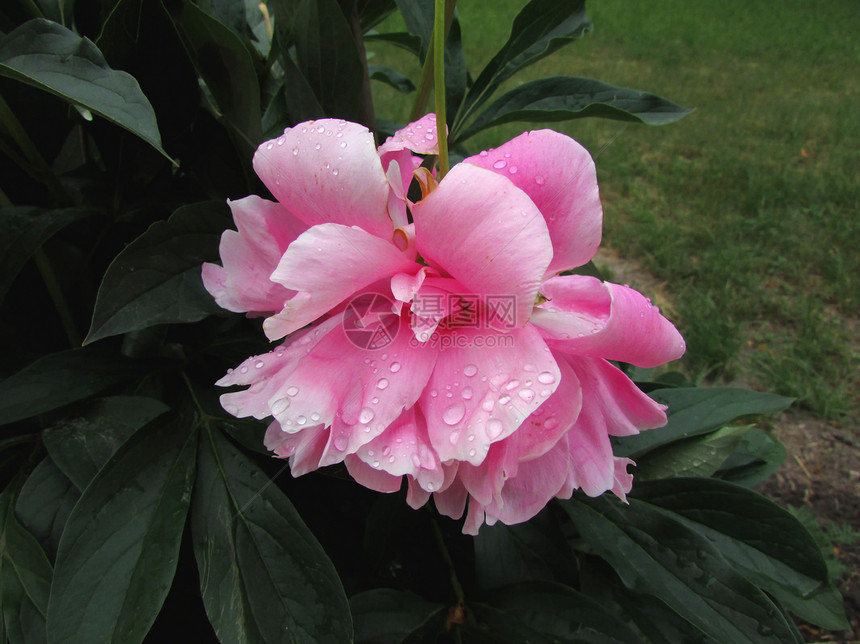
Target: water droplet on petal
512	169
280	406
340	443
433	393
295	152
243	370
467	393
454	437
504	400
454	414
395	367
281	141
540	180
472	452
301	420
416	461
550	423
545	392
292	391
494	428
470	438
498	165
470	370
321	129
270	145
546	378
315	417
513	384
365	415
382	384
483	153
386	450
334	171
488	405
375	464
258	364
429	136
526	394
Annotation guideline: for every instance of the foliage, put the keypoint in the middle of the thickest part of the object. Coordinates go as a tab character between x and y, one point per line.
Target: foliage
134	507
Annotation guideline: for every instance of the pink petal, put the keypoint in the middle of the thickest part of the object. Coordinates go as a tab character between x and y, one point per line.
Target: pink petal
584	316
623	479
328	171
487	234
304	449
622	406
371	478
419	137
452	501
250	255
327	264
484	385
559	176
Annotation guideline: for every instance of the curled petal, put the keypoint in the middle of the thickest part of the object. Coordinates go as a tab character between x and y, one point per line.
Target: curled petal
487	234
328	171
265	229
326	265
583	316
559	176
303	449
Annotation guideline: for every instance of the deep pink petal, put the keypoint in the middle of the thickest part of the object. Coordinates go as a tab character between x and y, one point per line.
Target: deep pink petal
559	176
484	385
584	316
328	171
486	233
327	264
249	256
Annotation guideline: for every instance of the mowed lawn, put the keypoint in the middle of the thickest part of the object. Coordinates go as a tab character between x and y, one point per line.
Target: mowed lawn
747	210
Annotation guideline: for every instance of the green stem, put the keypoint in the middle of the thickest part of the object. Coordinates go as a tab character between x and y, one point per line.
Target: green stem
425	84
439	85
443	548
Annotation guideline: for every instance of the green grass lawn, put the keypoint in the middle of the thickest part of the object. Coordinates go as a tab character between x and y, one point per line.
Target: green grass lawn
746	209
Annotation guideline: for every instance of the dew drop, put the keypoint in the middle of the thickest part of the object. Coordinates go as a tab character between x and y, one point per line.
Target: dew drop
295	152
301	420
317	146
470	370
382	384
416	461
512	169
472	452
529	367
498	165
343	144
281	141
429	136
513	384
545	392
386	450
487	405
292	391
391	459
434	393
334	171
243	370
504	399
374	400
484	153
375	464
540	180
280	406
269	145
550	423
454	414
526	394
315	417
258	364
454	437
467	393
470	438
321	129
494	428
365	415
430	487
395	367
546	378
340	443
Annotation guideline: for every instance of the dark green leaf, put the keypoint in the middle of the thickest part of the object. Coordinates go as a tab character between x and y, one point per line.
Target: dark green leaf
757	456
301	102
565	97
553	611
694	411
654	553
81	446
156	279
405	41
372	12
225	65
529	551
456	72
328	58
118	554
824	607
26	578
391	78
418	18
387	616
694	456
263	575
763	542
49	56
22	231
58	379
538	30
44	503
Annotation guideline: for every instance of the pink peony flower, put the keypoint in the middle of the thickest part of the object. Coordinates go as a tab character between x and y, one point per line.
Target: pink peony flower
436	340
